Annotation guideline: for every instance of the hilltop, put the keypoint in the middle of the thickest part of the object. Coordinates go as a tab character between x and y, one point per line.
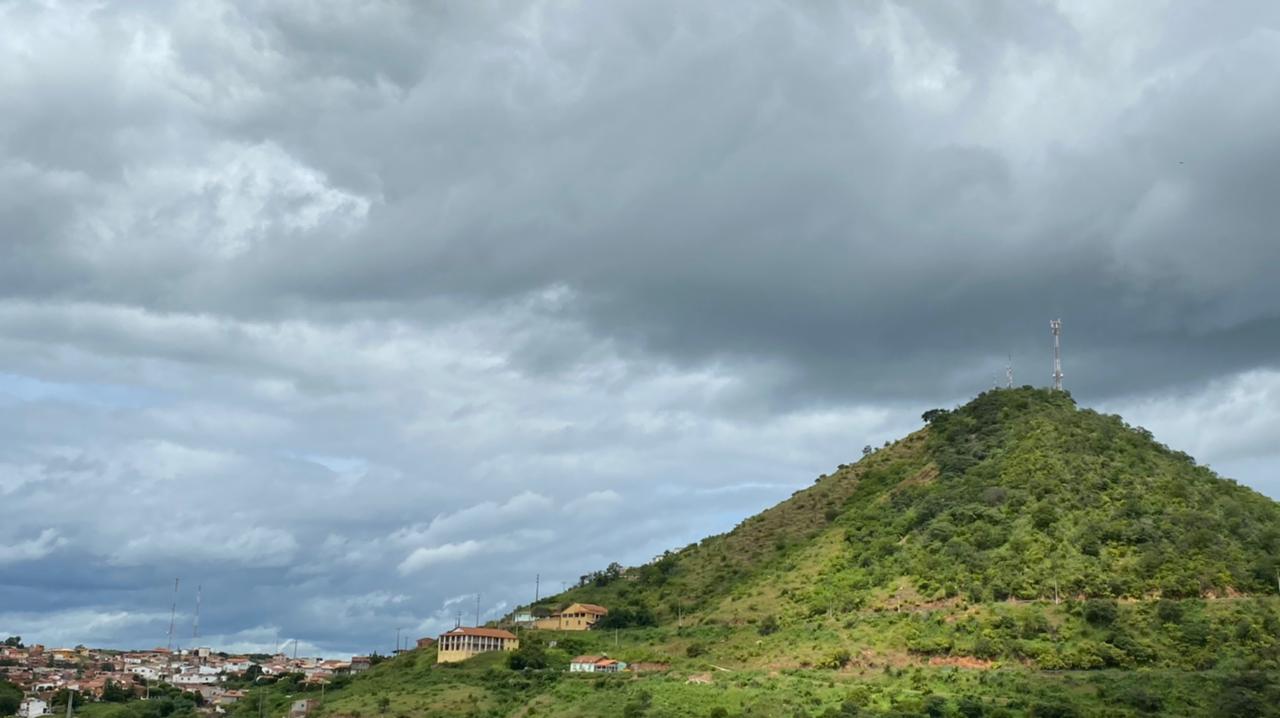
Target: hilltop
1018	495
1018	555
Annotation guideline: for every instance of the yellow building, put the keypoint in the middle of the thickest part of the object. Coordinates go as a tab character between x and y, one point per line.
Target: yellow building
463	643
575	617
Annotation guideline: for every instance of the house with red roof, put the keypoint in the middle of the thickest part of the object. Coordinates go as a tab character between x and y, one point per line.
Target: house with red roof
464	642
596	664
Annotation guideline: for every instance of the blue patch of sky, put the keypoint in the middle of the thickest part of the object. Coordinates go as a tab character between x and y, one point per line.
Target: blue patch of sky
18	388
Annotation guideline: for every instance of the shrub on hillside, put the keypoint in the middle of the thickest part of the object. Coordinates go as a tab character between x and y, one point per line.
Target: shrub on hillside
1100	611
527	657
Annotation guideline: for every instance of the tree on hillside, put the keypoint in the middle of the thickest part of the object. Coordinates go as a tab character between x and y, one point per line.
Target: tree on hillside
529	656
113	692
10	698
14	642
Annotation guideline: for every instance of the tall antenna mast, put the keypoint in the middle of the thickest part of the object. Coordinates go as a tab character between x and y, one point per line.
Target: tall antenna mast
1008	373
173	612
195	625
477	610
537	583
1055	326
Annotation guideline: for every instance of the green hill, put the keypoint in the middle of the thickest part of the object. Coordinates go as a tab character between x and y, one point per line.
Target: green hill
1017	496
1016	556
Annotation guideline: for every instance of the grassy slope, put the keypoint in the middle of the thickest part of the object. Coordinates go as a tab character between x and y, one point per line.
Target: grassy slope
883	586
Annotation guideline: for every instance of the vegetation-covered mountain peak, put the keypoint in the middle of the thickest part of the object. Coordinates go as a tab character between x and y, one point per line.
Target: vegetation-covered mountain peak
1017	556
1018	494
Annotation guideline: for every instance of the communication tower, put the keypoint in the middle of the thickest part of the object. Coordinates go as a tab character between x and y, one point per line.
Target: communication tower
1055	326
173	612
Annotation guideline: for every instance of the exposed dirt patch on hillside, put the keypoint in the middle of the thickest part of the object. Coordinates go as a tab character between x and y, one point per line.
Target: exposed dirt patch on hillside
962	662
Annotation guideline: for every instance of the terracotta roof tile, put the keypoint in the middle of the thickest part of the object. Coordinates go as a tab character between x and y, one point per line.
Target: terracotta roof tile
484	632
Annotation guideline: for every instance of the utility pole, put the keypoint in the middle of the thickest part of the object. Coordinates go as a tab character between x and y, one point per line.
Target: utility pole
537	584
1055	326
71	699
397	651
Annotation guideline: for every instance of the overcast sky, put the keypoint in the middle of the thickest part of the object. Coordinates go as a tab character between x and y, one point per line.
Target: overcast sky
346	312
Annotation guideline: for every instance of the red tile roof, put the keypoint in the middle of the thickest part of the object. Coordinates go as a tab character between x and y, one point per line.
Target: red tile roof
485	632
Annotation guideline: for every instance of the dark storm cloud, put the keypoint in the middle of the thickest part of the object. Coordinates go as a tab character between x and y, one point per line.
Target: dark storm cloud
286	288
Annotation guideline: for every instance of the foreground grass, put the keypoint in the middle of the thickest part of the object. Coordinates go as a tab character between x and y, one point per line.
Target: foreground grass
412	686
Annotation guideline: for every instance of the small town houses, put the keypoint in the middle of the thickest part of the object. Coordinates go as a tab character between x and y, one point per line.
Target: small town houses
41	673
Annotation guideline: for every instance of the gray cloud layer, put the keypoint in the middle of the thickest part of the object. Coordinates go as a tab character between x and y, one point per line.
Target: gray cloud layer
346	313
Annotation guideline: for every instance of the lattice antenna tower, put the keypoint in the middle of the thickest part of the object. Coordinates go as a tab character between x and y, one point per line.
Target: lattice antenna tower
195	623
1055	326
173	612
1008	373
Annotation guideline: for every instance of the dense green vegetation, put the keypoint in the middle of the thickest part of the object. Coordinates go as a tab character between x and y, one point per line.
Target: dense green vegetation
165	702
10	698
1018	556
414	685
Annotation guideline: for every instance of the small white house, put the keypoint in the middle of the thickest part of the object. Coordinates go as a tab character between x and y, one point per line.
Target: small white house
32	707
596	664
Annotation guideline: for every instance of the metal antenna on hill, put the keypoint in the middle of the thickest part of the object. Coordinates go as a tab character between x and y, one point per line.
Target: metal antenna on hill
173	612
1055	326
477	610
537	584
195	624
1008	373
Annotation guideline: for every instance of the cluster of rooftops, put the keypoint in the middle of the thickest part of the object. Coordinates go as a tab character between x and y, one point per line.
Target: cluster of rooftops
463	642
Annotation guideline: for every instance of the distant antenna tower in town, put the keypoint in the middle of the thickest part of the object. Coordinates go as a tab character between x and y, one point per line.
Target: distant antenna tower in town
173	612
1055	326
195	623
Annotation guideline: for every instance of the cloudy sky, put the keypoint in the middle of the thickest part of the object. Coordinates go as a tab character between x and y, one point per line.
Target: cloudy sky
347	312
